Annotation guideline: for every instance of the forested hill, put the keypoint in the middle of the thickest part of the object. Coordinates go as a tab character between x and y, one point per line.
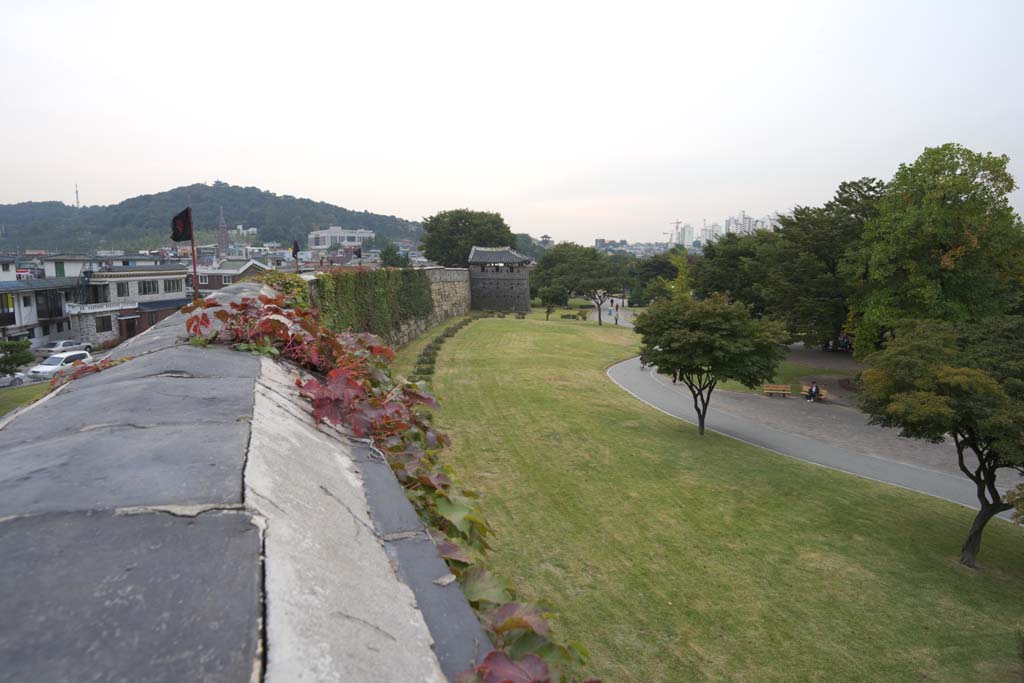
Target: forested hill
144	222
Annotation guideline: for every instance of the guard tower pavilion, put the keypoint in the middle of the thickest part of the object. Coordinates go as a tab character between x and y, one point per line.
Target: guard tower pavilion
499	279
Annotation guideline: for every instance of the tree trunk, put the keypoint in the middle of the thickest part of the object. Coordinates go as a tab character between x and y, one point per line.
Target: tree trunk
599	314
700	423
971	547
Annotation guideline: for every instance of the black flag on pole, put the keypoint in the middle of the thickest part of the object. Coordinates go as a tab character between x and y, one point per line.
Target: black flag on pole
295	249
181	226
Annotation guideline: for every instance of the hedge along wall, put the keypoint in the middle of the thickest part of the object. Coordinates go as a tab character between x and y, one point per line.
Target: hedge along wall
396	304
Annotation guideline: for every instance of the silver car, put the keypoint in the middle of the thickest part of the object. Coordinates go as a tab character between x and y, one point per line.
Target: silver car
57	364
15	380
60	346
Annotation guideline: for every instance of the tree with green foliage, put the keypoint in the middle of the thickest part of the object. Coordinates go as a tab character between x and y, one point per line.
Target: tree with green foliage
451	235
390	257
938	379
809	289
945	245
13	355
738	265
649	275
584	270
552	297
706	341
527	246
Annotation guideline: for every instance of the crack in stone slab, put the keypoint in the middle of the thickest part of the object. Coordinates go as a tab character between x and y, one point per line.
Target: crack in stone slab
191	511
376	628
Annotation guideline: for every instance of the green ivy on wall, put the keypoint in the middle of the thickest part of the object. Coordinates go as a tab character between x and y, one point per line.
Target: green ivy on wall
376	301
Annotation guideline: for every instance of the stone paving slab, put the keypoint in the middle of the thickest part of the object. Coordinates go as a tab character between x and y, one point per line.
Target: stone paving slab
123	467
150	514
149	597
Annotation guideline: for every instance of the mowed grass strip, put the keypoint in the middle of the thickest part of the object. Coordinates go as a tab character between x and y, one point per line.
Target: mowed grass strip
15	397
675	557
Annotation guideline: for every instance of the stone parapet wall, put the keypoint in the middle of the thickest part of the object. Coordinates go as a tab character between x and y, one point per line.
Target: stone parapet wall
449	288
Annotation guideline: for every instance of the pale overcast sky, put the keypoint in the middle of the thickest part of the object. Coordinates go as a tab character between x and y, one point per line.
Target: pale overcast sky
580	120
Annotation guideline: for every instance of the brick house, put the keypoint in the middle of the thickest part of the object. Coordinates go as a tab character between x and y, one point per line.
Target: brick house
118	302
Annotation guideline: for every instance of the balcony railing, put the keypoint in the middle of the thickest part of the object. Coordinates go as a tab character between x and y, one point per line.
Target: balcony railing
74	308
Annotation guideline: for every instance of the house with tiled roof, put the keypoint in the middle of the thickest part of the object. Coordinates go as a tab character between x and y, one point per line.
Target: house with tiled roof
499	279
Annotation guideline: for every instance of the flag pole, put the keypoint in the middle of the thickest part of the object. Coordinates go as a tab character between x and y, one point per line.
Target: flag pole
195	272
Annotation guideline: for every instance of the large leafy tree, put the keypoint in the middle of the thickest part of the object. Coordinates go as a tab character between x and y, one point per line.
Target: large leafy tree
936	379
707	341
809	288
738	265
584	270
945	244
14	354
450	235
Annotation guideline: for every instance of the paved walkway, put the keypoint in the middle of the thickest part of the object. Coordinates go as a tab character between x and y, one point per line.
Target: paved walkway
834	436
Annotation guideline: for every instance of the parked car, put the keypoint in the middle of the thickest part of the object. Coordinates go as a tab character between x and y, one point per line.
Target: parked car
60	346
15	380
57	364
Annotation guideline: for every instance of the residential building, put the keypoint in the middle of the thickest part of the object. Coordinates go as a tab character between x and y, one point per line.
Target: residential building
34	309
335	235
69	265
73	265
8	268
118	302
212	278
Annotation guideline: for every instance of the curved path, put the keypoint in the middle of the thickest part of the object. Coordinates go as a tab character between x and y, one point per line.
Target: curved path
823	434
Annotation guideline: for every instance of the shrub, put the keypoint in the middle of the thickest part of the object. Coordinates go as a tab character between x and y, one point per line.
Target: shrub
294	288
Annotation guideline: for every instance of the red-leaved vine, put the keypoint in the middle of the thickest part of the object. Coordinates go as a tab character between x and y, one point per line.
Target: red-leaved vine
353	387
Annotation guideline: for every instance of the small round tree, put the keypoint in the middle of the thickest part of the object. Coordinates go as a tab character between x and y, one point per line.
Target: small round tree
705	342
552	297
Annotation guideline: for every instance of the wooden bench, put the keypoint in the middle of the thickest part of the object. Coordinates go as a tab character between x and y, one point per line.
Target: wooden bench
777	390
805	390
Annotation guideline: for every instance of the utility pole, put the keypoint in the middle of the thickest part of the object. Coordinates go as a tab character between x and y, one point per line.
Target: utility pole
77	205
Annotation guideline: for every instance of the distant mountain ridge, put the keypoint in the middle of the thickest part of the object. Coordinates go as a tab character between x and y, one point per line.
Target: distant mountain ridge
144	222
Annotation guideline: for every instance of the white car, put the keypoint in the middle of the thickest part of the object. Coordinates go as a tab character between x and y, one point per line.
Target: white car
60	346
57	364
15	380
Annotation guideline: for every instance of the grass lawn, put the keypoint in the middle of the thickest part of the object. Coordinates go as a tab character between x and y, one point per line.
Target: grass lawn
787	373
675	557
574	302
14	397
405	358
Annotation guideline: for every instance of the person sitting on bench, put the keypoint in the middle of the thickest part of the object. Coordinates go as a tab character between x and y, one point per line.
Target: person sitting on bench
813	392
